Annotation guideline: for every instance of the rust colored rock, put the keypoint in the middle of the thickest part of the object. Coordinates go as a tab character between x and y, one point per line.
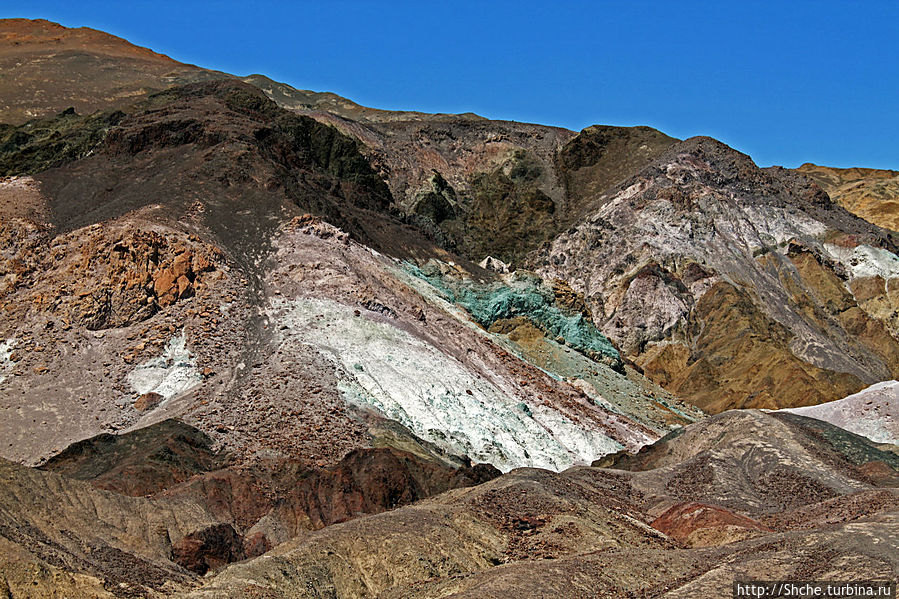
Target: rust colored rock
201	263
102	276
184	286
147	401
181	264
701	524
164	281
255	545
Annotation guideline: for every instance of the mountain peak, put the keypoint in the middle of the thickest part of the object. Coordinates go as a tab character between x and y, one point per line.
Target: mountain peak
29	34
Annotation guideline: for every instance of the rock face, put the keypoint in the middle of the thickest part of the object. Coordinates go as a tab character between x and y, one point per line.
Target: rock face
490	188
211	547
869	193
134	265
102	277
733	286
421	361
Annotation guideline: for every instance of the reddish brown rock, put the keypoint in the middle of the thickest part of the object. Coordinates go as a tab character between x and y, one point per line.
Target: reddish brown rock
208	549
102	276
147	401
701	524
255	545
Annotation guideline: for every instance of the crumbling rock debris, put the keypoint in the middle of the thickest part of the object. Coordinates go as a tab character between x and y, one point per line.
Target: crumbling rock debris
106	276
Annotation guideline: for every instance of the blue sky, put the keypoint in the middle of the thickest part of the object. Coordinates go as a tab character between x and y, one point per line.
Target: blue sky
786	82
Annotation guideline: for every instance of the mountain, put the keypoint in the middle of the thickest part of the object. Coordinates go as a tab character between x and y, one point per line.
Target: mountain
734	286
872	412
263	340
869	193
186	258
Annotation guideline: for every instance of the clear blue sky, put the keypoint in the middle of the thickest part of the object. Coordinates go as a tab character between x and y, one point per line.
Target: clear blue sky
787	82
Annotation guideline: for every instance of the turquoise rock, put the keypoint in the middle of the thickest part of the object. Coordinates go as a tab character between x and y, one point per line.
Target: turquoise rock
524	295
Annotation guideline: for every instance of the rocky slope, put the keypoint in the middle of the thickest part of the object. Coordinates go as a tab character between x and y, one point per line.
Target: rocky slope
495	188
872	412
734	286
48	68
69	537
737	495
872	194
186	282
822	323
240	318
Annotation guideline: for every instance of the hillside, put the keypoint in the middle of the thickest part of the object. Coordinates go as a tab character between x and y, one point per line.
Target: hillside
263	341
866	192
681	519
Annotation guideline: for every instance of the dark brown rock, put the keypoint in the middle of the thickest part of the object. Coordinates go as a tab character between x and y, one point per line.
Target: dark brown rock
208	549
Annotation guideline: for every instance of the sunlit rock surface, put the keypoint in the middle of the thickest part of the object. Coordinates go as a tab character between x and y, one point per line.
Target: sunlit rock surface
172	373
872	412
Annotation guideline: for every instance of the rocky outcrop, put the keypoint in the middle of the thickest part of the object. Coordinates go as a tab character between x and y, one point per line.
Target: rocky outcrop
60	534
208	549
102	276
738	357
731	460
256	159
600	157
401	349
163	232
481	187
45	143
558	312
142	462
732	285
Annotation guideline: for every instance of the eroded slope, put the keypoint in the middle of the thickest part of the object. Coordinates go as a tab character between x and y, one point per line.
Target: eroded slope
734	286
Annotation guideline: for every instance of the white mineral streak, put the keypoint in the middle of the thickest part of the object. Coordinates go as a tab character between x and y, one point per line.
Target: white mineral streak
6	364
170	374
865	261
433	394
